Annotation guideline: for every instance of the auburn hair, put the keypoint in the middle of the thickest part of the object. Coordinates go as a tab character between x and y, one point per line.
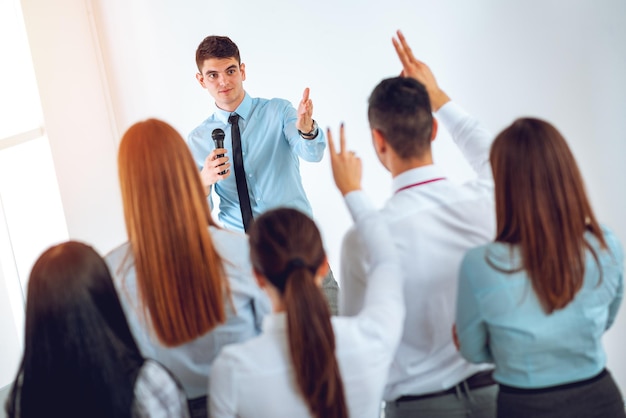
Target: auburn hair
286	248
180	276
543	209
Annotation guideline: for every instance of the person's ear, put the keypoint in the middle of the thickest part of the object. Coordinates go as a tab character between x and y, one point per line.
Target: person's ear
379	141
433	135
321	272
242	68
200	79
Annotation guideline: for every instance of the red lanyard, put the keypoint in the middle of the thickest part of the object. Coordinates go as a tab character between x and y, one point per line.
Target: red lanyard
419	184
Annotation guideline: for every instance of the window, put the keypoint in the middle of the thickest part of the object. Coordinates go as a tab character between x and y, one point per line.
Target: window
31	213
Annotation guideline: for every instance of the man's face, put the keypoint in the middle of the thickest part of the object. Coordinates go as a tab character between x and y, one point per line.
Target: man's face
223	78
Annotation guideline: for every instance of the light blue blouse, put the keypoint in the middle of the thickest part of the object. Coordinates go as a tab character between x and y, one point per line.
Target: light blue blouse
500	320
191	362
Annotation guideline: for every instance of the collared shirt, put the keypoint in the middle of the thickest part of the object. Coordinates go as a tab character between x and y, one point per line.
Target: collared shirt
157	394
270	146
191	362
433	222
500	319
256	378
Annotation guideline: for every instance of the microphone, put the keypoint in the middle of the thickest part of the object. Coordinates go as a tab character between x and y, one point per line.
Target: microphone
218	138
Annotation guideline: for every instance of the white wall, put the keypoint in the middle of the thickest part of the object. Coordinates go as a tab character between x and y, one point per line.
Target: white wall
78	117
562	61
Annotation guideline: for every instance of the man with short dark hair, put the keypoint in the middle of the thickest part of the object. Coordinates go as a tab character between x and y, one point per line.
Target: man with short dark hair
268	138
433	222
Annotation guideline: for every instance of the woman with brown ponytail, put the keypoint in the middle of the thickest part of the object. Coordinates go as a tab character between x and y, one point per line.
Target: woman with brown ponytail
305	363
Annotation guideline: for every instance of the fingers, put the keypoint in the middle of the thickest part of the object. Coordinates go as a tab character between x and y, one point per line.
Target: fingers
306	107
405	45
404	51
342	139
331	143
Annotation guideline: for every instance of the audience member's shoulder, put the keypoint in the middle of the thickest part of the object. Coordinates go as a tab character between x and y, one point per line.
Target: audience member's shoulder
480	263
155	389
118	251
613	243
477	255
119	258
238	356
153	371
225	236
234	249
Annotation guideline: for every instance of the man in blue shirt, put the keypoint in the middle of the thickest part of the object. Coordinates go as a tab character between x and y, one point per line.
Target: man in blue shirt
273	136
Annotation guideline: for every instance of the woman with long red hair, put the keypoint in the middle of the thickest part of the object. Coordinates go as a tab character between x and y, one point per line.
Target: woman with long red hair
186	285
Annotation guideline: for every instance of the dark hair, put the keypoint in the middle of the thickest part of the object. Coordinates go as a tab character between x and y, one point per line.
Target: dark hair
80	358
286	248
216	47
400	109
180	275
542	207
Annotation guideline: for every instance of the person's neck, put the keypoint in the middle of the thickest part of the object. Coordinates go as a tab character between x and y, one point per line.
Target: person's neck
233	107
400	166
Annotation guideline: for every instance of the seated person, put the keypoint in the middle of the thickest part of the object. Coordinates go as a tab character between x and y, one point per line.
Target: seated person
307	364
185	284
537	300
80	359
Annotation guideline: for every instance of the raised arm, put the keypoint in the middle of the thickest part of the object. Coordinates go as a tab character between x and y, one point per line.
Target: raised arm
381	289
472	138
414	68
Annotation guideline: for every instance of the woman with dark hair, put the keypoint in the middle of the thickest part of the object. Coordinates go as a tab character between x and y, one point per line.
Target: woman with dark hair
306	363
80	359
186	285
537	300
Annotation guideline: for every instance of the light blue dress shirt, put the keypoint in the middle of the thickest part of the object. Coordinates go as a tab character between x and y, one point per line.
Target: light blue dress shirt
500	319
270	145
191	362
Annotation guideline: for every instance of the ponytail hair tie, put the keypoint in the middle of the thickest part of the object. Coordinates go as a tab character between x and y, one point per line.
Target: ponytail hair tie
295	263
280	280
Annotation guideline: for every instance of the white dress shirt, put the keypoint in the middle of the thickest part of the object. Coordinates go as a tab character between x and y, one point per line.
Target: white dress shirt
433	222
191	362
256	378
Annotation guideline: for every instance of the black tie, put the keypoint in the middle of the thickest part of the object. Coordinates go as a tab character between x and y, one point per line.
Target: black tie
240	173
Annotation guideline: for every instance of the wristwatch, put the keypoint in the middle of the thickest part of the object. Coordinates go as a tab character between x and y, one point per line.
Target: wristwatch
312	134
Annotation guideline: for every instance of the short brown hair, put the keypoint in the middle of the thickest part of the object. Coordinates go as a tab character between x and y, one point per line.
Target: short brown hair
216	47
542	207
399	107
